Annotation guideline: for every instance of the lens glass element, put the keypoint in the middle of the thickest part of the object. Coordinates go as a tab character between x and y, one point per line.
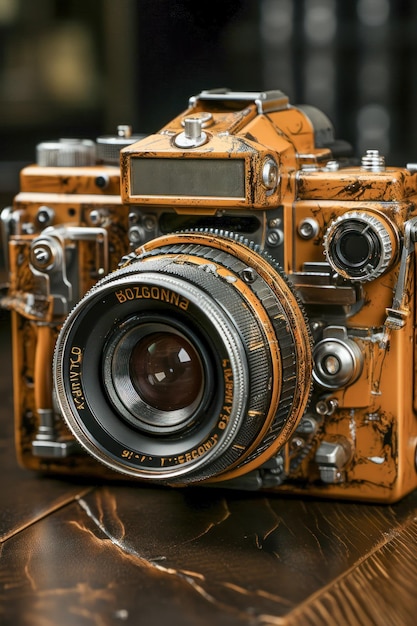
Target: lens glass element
166	371
355	248
155	375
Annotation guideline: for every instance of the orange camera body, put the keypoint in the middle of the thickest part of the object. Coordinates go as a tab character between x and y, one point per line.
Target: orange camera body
259	332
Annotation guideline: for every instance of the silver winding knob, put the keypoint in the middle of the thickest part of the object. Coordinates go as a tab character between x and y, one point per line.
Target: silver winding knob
338	360
109	146
66	153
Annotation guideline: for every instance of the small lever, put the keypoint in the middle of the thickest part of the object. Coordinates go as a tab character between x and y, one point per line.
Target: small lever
398	312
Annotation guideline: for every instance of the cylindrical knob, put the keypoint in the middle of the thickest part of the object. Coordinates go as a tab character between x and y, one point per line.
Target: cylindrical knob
192	127
66	153
124	130
193	135
109	146
338	360
45	253
373	161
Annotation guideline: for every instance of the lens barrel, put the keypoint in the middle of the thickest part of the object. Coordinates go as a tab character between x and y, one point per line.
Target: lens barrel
191	362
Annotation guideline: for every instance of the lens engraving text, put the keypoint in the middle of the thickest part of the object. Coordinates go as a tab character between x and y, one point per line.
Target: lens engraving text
139	292
75	378
228	395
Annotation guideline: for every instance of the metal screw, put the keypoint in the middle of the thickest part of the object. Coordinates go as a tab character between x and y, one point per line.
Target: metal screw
149	222
275	222
326	407
297	443
307	426
275	238
95	217
136	235
248	275
45	215
41	256
133	217
308	228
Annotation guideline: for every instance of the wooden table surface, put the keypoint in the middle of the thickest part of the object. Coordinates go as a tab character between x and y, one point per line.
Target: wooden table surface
77	553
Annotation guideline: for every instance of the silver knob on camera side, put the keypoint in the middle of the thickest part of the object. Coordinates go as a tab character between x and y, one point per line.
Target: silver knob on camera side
308	228
332	457
338	360
45	253
270	174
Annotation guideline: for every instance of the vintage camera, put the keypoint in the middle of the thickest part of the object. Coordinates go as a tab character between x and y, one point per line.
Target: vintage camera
259	332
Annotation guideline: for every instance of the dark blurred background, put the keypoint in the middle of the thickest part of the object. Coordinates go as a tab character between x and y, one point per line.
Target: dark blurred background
80	67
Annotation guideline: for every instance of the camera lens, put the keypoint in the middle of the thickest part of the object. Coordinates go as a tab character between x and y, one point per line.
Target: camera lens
166	372
193	372
153	374
354	248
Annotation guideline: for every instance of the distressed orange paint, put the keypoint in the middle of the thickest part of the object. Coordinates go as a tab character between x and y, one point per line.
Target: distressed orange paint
295	267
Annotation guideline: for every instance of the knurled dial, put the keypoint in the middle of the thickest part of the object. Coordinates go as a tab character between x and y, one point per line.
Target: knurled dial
360	245
66	153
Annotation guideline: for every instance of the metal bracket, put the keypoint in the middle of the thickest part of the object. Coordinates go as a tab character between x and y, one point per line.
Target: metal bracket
46	443
266	101
397	313
48	260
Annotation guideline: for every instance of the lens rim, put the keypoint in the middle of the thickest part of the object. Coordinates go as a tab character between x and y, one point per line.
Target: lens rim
346	258
120	388
368	263
381	236
85	406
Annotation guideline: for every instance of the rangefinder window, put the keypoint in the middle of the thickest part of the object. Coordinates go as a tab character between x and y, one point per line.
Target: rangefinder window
213	178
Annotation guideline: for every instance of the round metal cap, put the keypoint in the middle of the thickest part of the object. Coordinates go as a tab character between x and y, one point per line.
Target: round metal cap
109	146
